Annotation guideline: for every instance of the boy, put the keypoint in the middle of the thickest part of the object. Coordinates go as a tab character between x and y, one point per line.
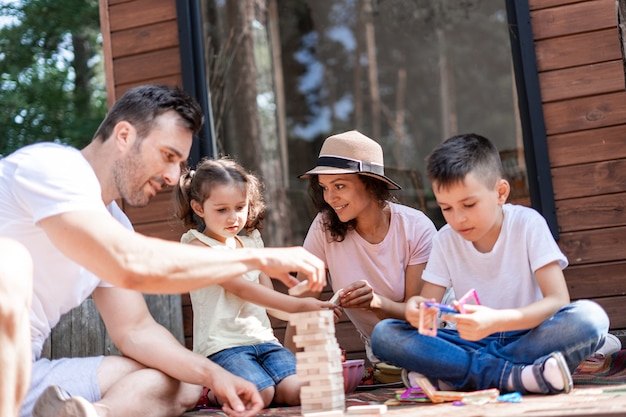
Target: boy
525	336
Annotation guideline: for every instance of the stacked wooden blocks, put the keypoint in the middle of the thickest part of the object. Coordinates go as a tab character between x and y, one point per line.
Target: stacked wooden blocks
318	365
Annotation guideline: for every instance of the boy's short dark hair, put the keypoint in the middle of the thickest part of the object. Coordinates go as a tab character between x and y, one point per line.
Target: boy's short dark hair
450	162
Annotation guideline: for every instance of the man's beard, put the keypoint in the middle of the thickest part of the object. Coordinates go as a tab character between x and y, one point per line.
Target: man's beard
127	172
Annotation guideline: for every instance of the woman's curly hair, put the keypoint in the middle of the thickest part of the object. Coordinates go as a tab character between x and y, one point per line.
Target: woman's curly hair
330	221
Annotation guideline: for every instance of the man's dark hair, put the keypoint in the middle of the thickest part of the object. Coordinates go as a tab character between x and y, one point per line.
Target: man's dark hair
140	106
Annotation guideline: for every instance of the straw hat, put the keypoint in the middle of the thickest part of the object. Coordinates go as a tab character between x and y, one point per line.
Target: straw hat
351	153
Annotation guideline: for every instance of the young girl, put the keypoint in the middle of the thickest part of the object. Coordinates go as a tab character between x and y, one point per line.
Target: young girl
231	326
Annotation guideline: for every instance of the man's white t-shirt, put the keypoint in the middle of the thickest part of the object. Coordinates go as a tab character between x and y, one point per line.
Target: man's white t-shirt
36	182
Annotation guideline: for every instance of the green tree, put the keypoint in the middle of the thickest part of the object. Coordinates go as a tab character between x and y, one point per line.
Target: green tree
52	78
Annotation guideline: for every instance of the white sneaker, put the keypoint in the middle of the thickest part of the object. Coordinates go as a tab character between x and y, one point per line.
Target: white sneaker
408	378
611	345
55	402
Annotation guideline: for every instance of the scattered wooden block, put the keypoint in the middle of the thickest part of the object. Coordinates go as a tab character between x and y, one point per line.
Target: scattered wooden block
366	410
298	289
331	413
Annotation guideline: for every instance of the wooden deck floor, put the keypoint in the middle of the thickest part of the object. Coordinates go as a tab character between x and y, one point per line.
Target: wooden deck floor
596	401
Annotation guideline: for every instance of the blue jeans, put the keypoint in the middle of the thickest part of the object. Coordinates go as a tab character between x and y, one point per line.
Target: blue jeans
264	364
576	330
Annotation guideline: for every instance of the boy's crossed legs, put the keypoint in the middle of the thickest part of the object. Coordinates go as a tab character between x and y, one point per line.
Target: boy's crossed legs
498	361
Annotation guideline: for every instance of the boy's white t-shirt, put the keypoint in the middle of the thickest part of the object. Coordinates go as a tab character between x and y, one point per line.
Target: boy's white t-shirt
505	276
36	182
383	265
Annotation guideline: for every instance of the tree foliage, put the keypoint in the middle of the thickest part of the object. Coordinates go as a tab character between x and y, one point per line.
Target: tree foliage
51	76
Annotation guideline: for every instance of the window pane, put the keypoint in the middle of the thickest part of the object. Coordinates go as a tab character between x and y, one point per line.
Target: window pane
406	73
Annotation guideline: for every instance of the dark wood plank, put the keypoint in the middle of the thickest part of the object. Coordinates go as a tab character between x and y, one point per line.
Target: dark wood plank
151	65
140	13
107	53
543	4
589	179
173	80
594	246
593	281
160	208
164	230
573	18
145	39
585	213
615	307
577	50
592	145
605	77
585	113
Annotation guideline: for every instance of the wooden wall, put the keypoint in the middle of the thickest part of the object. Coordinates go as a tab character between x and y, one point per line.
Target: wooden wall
584	103
141	46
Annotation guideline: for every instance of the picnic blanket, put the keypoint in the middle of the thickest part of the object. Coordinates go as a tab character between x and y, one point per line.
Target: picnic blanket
602	370
371	396
597	370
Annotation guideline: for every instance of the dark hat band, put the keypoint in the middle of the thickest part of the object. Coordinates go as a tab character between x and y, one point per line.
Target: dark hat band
351	164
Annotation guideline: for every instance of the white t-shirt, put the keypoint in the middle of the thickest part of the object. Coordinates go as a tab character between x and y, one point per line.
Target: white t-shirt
505	276
383	265
36	182
222	320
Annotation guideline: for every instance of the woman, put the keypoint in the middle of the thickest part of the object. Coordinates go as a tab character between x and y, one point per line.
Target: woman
375	249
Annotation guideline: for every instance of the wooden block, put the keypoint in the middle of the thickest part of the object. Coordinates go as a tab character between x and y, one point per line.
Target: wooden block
326	315
331	413
317	368
330	346
335	298
324	404
310	339
300	288
329	330
319	377
317	356
366	410
322	392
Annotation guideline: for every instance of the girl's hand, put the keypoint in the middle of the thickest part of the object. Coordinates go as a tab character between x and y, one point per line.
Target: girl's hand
478	322
313	304
338	311
359	294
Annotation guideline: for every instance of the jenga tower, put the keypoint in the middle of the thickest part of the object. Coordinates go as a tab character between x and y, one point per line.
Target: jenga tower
319	364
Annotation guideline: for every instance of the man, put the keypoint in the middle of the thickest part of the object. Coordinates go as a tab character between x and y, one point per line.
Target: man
15	293
60	204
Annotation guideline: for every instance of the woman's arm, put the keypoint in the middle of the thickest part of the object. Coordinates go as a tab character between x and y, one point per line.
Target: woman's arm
361	295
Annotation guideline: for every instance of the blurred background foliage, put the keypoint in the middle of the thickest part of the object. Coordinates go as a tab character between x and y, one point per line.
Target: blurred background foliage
52	84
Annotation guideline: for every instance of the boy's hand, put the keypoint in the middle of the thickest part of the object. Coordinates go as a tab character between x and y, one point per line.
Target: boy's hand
412	310
478	322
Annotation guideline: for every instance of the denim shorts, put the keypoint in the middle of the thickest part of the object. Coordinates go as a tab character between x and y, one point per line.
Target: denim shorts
264	364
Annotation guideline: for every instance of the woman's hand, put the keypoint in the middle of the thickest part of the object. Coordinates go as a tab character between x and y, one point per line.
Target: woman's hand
359	294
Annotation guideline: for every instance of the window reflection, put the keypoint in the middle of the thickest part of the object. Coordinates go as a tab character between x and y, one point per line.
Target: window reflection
408	73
